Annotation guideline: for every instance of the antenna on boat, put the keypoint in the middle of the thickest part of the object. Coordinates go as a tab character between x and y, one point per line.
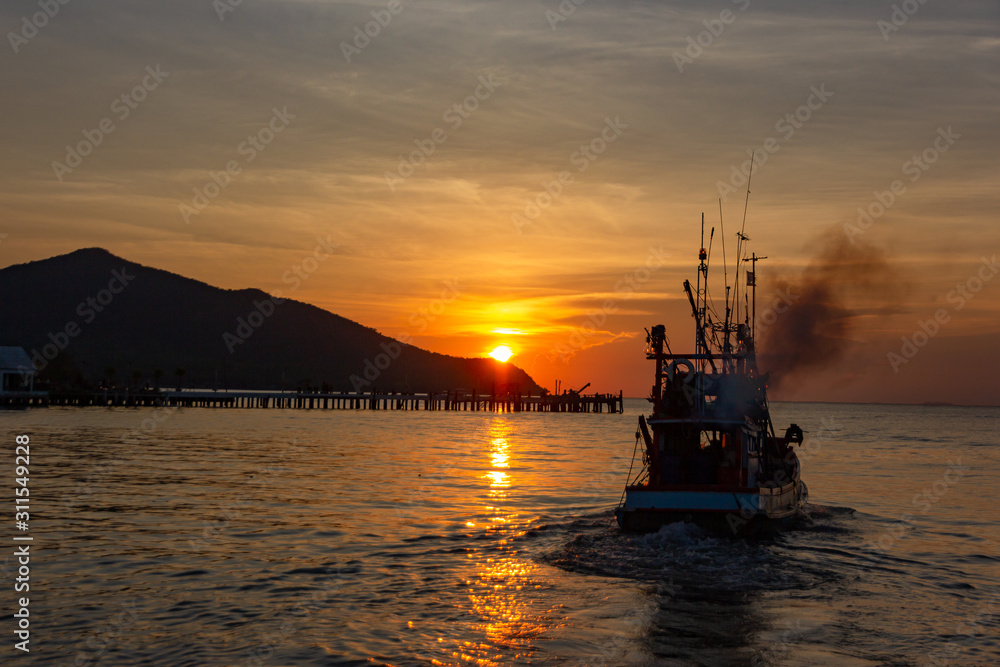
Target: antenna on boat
725	277
743	238
752	282
702	278
725	269
711	240
742	233
705	320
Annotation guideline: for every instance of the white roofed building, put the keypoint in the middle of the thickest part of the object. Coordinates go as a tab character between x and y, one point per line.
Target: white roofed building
17	373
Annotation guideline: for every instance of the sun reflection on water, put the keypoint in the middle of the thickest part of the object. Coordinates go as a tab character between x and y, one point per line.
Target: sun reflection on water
500	445
498	479
499	589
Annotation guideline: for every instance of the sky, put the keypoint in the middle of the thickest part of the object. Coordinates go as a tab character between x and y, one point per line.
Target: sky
532	174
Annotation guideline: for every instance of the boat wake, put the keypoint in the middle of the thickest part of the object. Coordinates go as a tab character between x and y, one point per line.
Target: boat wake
713	599
688	555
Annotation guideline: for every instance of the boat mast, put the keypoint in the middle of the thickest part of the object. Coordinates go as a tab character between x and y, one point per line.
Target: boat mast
743	238
742	235
725	278
753	259
702	296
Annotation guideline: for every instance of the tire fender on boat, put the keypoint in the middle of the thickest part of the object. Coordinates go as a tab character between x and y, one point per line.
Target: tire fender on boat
690	370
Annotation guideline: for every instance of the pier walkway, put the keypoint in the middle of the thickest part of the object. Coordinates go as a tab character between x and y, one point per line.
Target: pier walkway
449	400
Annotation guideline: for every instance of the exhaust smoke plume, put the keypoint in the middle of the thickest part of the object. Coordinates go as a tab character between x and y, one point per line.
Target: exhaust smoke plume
844	282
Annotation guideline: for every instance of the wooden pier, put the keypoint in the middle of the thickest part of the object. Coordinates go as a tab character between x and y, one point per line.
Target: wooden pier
449	400
24	399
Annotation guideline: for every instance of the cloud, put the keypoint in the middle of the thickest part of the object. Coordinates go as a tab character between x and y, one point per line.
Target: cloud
353	120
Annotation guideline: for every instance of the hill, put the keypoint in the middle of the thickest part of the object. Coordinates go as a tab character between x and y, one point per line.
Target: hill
89	316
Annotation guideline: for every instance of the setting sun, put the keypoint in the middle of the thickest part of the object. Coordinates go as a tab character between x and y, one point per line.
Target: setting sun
502	353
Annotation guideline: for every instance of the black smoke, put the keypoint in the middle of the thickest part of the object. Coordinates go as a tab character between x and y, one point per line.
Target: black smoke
822	306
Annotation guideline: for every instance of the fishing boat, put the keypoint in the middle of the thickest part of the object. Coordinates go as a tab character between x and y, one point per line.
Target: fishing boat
712	456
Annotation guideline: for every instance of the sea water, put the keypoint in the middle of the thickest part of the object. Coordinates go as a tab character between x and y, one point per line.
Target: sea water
293	537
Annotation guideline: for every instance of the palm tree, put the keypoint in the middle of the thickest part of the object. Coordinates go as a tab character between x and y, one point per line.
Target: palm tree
180	373
157	374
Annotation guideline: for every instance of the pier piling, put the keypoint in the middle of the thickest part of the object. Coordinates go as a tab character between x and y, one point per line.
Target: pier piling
453	400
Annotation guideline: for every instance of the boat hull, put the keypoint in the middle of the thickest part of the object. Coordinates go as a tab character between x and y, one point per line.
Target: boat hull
734	511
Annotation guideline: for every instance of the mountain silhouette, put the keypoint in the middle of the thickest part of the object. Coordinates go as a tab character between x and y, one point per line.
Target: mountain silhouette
102	312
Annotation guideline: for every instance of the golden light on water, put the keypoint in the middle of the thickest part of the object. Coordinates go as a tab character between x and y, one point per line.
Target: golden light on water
495	590
500	581
498	478
500	451
502	353
499	458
